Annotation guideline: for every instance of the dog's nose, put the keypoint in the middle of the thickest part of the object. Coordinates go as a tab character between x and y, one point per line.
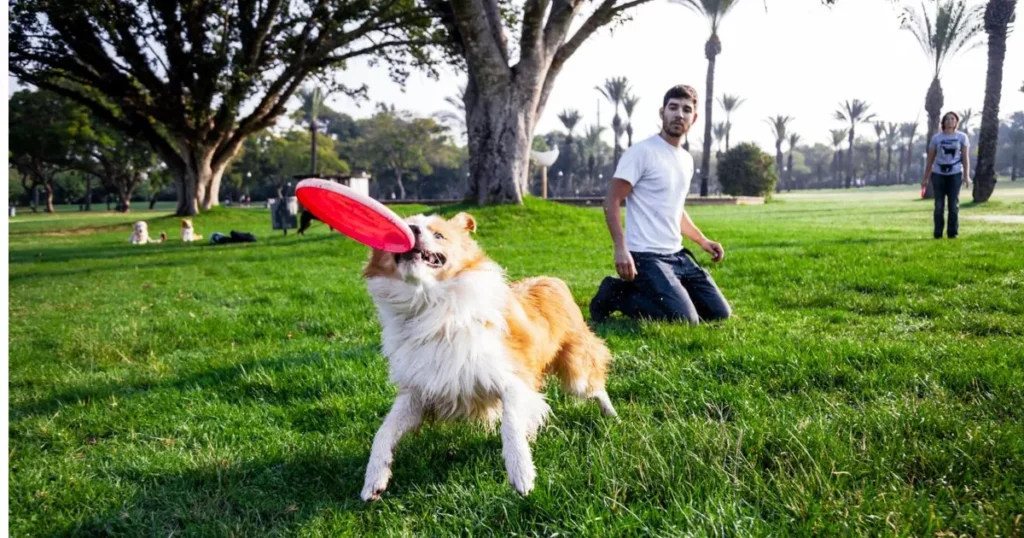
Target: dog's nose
415	230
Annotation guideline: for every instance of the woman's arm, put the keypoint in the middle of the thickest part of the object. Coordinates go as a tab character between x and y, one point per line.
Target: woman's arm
965	150
928	167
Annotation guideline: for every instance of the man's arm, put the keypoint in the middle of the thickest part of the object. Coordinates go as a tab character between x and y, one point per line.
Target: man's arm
617	192
693	233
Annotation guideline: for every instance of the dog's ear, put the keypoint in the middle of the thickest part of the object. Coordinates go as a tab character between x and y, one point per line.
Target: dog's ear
465	221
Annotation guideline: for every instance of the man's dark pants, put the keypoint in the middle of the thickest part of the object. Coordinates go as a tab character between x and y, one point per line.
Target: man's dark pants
667	287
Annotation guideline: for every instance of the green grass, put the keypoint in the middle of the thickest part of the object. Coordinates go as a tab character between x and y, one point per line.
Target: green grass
871	383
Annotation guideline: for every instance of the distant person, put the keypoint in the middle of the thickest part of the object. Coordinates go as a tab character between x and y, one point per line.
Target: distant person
659	279
948	169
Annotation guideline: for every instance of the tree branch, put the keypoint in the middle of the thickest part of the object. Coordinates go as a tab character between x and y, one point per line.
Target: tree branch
483	54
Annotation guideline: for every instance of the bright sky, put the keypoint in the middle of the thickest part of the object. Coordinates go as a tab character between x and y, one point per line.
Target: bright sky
799	59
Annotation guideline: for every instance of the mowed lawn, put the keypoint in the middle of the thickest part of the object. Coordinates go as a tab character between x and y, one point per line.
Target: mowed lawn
871	383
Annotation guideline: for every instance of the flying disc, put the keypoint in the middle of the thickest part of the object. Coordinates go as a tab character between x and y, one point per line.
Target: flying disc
356	215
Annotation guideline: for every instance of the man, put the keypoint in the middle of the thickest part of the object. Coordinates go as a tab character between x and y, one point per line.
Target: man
659	279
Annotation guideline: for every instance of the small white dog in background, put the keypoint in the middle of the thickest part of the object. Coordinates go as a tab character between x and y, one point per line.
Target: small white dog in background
140	235
188	232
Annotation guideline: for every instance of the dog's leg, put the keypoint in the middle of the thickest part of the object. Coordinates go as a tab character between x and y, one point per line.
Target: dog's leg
520	415
606	404
406	415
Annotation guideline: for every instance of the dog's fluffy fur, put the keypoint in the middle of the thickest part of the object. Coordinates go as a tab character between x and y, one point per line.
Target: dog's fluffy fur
462	343
188	232
140	234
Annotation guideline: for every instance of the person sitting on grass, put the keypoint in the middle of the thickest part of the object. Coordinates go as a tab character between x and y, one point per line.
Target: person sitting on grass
659	280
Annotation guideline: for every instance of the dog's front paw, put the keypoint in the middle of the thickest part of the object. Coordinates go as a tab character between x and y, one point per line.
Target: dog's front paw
376	483
523	480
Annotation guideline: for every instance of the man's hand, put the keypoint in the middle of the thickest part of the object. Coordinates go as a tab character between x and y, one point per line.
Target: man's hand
624	264
714	249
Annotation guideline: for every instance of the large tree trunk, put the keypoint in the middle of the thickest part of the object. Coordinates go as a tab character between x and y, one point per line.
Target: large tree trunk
126	202
711	49
998	14
500	127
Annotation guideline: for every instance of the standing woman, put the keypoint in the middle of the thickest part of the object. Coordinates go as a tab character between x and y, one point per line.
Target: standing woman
948	169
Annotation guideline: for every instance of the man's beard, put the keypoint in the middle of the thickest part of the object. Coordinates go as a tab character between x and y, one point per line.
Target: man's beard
679	130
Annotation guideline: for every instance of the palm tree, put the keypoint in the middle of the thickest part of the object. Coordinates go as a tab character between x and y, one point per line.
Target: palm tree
720	132
615	90
569	118
778	125
892	139
879	132
855	112
312	104
908	130
998	16
793	139
592	148
629	104
952	28
1016	140
966	115
458	117
729	104
714	11
838	135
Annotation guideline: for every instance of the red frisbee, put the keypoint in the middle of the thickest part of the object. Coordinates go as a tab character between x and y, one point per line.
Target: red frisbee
356	215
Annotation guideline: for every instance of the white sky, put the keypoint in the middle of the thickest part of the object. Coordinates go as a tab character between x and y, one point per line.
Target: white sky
799	59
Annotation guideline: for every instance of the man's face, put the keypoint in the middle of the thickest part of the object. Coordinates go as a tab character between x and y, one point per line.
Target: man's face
678	115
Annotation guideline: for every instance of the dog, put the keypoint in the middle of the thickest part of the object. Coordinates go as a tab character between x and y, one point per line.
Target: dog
306	219
140	235
188	232
463	343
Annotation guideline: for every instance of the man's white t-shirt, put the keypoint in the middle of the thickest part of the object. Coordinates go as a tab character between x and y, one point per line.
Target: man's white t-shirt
660	174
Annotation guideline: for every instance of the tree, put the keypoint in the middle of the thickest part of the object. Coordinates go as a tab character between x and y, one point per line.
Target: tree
271	162
312	104
838	135
615	90
719	133
569	119
892	140
629	105
953	27
594	150
119	162
729	104
456	118
1016	141
714	11
999	14
505	99
908	130
879	132
398	143
746	171
855	112
793	140
966	115
177	74
46	133
778	125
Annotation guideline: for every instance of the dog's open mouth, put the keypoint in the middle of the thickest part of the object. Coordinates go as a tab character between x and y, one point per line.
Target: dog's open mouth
432	259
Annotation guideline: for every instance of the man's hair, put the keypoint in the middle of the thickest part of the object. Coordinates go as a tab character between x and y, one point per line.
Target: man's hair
682	91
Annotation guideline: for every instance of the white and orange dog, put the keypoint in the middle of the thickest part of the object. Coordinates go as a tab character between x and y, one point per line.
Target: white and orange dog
188	232
462	343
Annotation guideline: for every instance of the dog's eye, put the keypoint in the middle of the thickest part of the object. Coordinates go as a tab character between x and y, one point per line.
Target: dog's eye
437	235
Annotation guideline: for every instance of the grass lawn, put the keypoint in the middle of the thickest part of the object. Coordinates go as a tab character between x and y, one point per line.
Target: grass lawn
871	383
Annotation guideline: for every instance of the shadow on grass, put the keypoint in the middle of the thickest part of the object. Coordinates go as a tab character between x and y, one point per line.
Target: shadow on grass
128	251
227	382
